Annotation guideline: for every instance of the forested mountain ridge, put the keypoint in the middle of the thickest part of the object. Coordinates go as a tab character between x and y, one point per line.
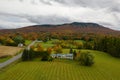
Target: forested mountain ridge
75	27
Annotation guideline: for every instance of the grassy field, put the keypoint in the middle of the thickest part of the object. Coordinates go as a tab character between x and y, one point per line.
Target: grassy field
46	44
68	50
27	42
105	68
4	59
6	52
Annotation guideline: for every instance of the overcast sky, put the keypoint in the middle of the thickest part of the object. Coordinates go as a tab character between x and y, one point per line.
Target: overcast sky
20	13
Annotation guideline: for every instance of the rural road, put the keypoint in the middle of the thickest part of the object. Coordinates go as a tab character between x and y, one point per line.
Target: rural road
15	57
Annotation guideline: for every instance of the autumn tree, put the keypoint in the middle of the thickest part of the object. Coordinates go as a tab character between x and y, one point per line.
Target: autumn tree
10	42
80	45
39	48
2	39
57	49
86	59
49	50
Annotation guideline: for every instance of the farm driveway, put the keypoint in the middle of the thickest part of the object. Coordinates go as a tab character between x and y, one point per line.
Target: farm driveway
15	57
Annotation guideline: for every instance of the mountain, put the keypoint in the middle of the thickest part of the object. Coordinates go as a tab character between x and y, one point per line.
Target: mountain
75	27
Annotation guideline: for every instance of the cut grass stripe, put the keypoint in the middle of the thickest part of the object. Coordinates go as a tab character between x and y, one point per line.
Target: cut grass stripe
64	70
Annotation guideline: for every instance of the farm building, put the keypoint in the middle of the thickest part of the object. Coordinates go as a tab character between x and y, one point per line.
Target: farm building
64	56
20	45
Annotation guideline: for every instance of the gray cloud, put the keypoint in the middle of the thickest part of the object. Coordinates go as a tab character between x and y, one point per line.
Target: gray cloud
52	19
21	0
114	8
49	19
29	12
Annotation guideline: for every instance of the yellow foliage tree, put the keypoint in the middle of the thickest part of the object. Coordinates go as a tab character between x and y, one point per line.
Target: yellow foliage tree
49	50
57	49
40	48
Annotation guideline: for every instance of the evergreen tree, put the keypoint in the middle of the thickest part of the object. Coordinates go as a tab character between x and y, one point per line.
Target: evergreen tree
71	51
74	54
25	55
31	54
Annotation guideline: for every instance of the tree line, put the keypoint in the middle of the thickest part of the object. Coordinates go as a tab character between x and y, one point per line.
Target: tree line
110	45
37	52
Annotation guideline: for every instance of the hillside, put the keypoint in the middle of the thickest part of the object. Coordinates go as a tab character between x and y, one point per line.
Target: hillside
75	27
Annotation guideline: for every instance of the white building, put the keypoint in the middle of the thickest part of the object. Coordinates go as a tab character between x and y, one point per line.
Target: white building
64	56
20	45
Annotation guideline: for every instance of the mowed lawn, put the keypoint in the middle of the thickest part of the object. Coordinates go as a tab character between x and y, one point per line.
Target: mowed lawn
27	42
45	44
105	68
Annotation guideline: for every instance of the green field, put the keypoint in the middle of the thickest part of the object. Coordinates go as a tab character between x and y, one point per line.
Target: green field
105	68
4	59
27	42
50	43
46	44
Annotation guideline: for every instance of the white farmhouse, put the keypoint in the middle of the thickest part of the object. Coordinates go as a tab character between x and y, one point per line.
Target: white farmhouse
63	56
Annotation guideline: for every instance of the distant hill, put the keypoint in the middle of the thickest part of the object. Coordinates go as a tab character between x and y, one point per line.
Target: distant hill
75	27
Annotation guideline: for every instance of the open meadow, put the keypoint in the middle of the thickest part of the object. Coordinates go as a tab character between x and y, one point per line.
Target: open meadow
8	51
105	68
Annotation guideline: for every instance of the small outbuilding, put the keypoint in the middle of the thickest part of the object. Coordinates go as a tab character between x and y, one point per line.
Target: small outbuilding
20	45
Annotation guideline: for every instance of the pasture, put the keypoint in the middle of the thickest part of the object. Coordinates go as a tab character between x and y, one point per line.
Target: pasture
7	51
45	45
27	42
4	59
105	68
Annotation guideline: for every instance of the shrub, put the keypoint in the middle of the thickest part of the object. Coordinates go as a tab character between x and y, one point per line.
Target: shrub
71	51
50	59
45	56
86	59
74	54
